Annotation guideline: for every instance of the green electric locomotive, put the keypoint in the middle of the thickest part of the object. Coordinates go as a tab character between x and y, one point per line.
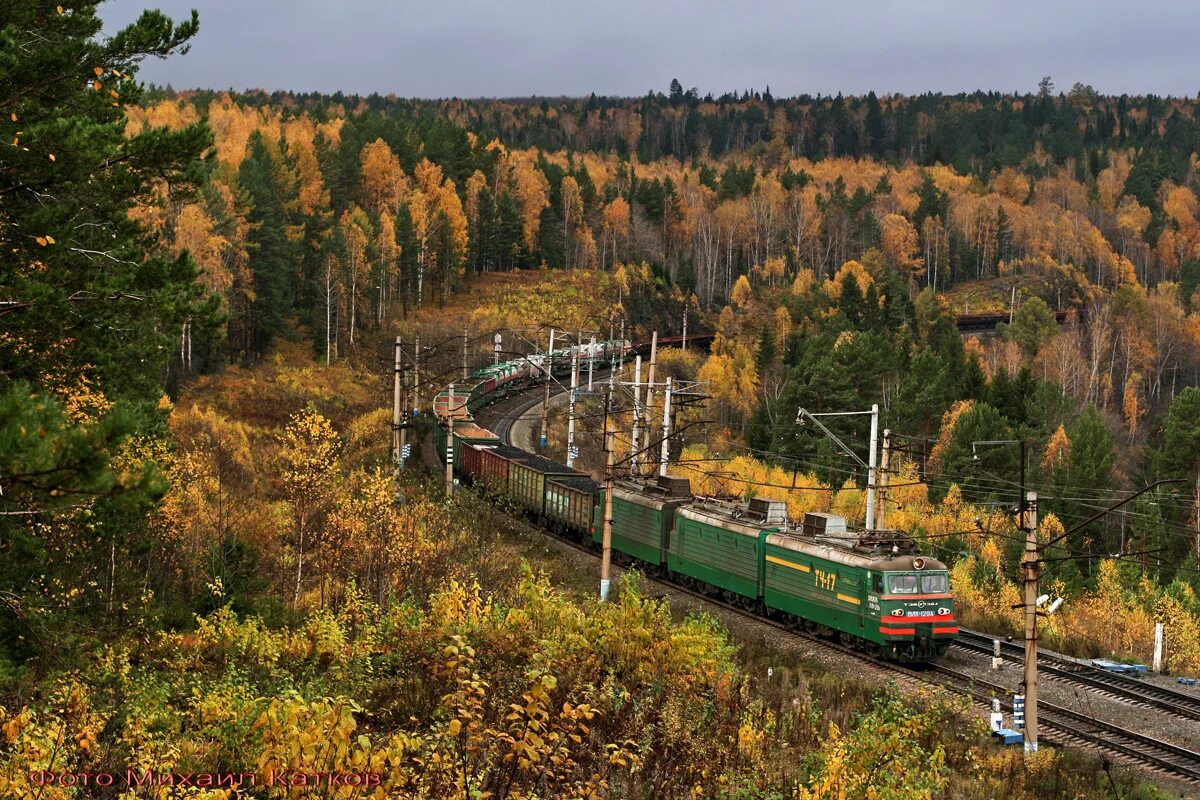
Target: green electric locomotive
870	589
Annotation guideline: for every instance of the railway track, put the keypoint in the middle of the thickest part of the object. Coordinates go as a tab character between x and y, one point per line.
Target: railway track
1066	725
1115	685
1082	728
1069	726
499	417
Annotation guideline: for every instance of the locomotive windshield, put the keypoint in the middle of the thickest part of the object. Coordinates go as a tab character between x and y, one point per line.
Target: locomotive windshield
935	583
926	583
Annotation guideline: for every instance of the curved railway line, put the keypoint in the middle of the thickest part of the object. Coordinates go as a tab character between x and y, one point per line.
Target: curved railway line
1067	726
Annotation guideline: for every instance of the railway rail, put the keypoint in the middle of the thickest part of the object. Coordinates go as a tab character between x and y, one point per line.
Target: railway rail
1156	753
1071	726
1065	725
1120	686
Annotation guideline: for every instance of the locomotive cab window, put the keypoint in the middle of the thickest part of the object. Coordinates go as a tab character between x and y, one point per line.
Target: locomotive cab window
878	584
902	584
935	583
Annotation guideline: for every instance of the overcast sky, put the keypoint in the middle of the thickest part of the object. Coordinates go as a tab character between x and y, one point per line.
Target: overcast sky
490	48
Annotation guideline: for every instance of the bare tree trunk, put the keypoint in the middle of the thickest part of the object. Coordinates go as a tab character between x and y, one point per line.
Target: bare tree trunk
299	567
112	571
353	297
328	310
567	238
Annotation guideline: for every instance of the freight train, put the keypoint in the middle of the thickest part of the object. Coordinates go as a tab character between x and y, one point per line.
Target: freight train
870	589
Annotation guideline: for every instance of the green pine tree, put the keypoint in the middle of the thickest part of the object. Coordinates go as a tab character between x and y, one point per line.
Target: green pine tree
81	292
89	312
273	256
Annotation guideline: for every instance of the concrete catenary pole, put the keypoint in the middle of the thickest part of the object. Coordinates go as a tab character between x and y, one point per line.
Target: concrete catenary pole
635	445
666	430
416	394
548	366
606	536
621	347
571	409
591	360
874	442
450	442
881	505
1027	521
466	374
685	310
396	411
1029	525
650	388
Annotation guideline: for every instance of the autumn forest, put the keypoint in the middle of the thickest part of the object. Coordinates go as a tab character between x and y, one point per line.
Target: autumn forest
209	564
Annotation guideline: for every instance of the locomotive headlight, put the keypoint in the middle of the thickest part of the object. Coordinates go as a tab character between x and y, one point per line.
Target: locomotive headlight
899	612
943	612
